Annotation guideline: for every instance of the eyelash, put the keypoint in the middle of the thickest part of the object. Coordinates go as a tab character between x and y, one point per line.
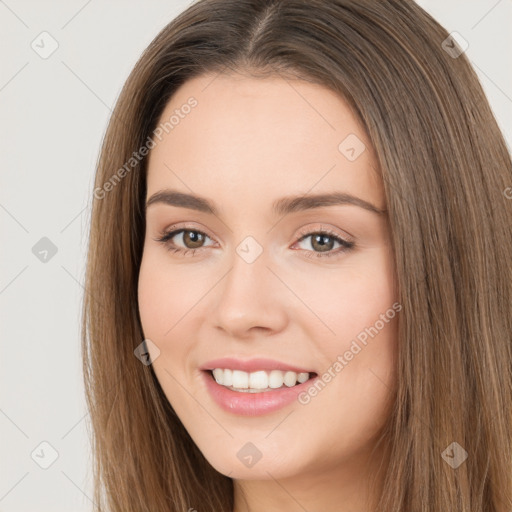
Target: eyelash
346	245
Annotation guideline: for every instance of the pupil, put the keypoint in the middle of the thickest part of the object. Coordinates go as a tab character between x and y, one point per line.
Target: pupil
322	240
193	238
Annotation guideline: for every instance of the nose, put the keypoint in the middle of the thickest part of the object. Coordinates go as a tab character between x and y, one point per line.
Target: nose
250	300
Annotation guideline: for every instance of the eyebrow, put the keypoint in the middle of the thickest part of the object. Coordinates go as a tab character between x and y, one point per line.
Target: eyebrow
281	206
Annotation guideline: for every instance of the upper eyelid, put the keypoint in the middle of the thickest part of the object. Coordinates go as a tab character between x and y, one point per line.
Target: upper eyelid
345	237
177	228
172	232
303	233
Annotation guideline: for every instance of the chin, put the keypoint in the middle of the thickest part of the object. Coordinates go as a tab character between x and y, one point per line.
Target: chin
246	461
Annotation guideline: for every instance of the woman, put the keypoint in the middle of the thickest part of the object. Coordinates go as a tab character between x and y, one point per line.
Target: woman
299	276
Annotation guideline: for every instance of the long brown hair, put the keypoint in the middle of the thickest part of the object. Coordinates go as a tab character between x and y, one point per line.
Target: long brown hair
446	170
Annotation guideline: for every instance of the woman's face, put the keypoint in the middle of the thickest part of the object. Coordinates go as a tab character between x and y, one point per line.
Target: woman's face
268	279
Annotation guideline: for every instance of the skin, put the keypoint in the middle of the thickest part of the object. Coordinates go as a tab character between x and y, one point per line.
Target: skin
248	142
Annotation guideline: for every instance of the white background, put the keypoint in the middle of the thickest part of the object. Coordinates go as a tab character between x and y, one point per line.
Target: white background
53	114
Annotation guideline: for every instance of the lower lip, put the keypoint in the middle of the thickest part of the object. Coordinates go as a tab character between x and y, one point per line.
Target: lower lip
253	404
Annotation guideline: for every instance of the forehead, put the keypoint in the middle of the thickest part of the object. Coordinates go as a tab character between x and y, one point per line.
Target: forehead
252	140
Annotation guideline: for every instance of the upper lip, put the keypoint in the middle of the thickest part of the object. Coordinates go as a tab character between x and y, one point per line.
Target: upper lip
252	365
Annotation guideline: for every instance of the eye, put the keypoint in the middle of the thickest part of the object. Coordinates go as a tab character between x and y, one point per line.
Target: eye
322	243
189	239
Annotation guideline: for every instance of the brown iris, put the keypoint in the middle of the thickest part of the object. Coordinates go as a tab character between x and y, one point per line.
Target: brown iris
194	238
321	242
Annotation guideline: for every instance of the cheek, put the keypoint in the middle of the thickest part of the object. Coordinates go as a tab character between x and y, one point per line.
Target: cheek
359	350
347	300
367	330
153	301
165	294
355	393
170	308
162	307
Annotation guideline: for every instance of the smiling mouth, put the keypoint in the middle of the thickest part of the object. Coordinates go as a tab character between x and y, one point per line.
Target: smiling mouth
258	381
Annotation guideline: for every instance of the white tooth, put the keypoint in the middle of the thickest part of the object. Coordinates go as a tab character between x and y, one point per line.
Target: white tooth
275	379
258	380
290	379
228	377
218	375
240	379
302	377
